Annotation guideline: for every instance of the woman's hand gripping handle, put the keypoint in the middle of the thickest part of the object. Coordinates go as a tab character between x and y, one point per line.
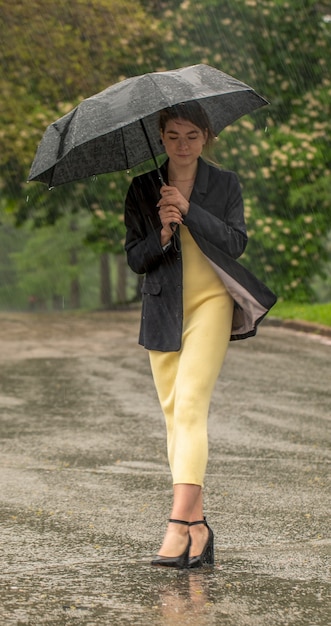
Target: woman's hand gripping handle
172	206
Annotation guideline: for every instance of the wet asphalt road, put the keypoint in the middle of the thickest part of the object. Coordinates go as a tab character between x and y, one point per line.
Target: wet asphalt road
85	488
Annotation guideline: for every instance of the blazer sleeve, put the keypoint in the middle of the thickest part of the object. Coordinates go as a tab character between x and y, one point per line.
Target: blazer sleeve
221	218
143	234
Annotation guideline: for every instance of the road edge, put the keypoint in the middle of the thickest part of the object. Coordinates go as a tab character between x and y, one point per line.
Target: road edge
299	325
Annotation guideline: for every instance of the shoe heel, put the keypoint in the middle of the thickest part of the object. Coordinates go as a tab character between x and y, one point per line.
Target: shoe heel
208	557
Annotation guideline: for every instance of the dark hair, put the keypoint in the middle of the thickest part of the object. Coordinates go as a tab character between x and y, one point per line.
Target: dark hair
191	111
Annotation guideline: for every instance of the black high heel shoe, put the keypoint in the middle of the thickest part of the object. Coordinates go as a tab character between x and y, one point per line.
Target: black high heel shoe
207	555
181	561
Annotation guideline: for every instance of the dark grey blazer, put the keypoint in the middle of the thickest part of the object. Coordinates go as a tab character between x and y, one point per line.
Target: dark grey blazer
216	221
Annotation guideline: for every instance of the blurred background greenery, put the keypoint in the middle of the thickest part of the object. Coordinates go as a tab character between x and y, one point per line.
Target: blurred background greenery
64	248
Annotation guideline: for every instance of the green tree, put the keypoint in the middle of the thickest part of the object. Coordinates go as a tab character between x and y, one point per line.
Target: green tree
100	200
53	54
282	153
51	264
11	240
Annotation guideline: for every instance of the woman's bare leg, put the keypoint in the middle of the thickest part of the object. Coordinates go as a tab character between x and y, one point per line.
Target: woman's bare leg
198	532
187	506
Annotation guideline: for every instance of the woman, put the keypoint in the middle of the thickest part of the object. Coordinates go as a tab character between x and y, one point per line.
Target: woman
187	311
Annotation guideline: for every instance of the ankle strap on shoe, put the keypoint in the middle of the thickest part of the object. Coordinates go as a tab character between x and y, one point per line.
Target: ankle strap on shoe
202	521
179	521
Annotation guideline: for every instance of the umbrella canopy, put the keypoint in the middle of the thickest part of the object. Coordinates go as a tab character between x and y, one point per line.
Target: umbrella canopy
118	128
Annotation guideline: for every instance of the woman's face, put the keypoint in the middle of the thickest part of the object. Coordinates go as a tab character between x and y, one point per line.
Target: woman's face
183	142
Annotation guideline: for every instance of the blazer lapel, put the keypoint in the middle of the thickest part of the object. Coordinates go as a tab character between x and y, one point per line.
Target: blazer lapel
201	182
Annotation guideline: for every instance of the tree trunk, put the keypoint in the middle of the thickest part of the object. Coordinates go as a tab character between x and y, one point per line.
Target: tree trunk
74	285
57	302
105	282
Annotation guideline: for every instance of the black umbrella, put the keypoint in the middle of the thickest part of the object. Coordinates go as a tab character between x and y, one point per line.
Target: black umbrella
118	128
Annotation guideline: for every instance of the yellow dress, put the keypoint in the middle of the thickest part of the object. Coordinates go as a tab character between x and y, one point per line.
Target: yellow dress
184	380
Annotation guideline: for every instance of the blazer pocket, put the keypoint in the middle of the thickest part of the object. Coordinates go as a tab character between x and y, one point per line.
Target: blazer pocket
151	289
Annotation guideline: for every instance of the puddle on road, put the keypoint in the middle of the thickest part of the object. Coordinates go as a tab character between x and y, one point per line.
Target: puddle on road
118	593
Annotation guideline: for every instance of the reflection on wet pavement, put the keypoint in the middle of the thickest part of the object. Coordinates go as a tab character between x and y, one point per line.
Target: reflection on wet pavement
134	593
85	485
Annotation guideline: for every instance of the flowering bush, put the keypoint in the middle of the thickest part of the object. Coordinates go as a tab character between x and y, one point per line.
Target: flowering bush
286	185
281	153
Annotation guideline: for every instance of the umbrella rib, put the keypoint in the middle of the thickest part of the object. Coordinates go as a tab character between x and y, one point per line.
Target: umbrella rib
64	133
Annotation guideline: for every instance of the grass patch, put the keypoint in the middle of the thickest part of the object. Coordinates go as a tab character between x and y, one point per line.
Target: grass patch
317	313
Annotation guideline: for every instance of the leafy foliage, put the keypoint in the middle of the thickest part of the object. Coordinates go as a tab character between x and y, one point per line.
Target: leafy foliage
55	53
44	268
282	153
